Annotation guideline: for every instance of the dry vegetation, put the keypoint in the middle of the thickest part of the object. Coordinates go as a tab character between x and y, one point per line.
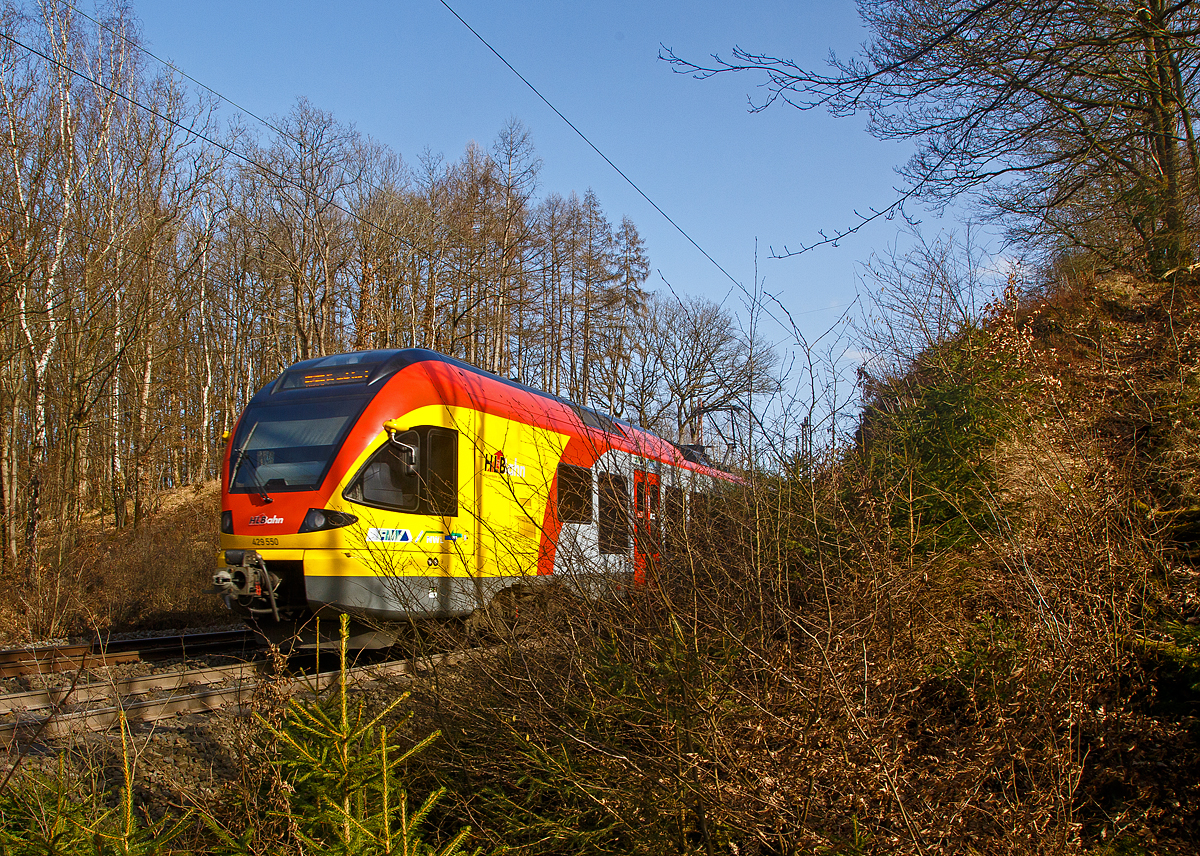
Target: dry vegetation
974	627
840	666
148	577
152	576
972	631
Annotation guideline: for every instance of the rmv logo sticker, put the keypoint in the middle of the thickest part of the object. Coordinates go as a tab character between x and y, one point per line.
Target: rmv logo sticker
389	536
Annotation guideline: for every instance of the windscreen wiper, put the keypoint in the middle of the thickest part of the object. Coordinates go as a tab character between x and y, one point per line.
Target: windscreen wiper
241	455
258	482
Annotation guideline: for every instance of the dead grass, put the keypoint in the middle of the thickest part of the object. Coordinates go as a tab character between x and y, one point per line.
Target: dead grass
145	577
811	687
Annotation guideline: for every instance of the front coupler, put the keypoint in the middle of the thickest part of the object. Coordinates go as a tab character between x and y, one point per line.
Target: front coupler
247	577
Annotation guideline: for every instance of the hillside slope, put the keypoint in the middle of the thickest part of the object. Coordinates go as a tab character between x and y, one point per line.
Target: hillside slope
974	631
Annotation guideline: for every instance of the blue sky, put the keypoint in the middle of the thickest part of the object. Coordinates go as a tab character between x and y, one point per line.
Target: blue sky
411	76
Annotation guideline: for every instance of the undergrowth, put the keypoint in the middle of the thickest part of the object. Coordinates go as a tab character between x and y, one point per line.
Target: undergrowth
335	785
973	630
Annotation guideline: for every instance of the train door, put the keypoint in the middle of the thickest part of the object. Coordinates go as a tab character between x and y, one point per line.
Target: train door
646	536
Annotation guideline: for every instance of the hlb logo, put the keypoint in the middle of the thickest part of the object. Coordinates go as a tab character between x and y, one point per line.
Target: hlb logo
262	519
500	465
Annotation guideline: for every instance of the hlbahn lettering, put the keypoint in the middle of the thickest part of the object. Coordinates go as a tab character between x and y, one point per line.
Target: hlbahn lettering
500	465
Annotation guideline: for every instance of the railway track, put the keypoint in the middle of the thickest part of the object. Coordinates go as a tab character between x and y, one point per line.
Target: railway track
97	706
101	652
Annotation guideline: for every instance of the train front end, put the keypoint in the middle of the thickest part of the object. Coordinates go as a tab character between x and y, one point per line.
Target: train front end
290	452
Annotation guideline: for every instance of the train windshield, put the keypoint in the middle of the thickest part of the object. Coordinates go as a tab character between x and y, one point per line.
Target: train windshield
288	447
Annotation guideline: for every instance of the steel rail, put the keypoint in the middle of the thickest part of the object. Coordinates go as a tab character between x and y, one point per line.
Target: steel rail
60	724
102	652
52	697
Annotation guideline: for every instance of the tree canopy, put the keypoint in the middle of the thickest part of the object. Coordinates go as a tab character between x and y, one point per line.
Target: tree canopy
1071	121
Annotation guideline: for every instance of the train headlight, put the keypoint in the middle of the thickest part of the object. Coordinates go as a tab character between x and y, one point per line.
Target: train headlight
227	522
320	519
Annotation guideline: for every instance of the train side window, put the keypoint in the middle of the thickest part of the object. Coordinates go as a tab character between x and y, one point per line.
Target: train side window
441	471
673	512
418	472
574	494
389	479
614	514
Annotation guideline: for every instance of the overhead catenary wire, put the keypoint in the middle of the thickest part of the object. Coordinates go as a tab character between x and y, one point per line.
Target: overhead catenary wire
593	146
756	301
197	134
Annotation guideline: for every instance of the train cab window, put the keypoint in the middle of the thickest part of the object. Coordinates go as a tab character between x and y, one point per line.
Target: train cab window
288	447
614	514
673	514
574	494
417	471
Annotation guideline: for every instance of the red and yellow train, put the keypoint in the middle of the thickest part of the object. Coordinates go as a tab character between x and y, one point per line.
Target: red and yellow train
394	484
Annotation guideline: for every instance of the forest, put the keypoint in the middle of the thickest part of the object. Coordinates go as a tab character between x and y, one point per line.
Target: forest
162	264
955	611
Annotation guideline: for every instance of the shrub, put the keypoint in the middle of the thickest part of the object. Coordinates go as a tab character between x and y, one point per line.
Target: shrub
336	768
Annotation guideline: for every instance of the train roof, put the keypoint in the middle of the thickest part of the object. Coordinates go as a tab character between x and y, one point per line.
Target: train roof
360	374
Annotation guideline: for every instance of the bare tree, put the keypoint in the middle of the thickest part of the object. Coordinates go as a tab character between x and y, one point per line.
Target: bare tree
920	299
300	212
1071	121
701	369
517	171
